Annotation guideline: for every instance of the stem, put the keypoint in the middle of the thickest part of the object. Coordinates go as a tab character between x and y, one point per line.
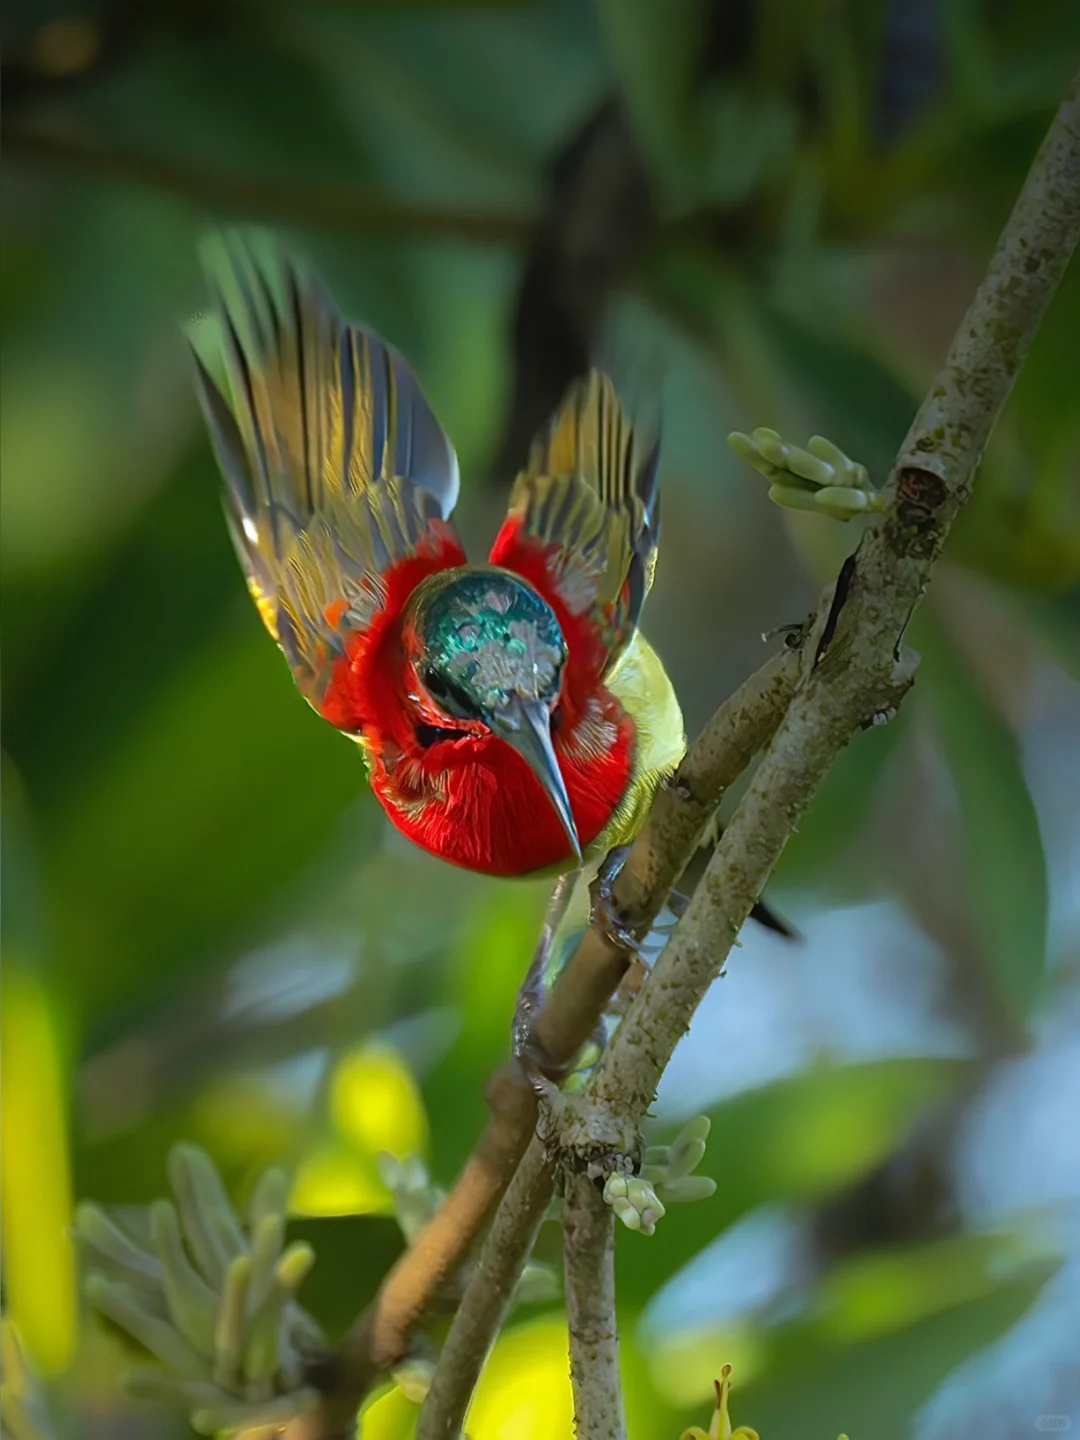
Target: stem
444	1243
658	856
802	753
481	1312
589	1252
662	850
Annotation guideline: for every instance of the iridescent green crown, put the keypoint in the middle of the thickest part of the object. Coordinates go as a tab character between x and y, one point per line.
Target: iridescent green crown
488	635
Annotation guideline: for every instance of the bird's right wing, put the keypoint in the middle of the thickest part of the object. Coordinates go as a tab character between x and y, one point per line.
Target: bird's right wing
339	482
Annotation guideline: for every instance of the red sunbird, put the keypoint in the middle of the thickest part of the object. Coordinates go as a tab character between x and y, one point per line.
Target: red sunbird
513	718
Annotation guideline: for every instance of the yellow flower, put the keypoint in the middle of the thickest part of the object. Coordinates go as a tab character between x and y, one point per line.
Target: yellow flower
720	1428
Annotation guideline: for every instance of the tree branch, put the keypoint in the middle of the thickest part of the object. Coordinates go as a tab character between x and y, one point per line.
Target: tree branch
681	812
589	1253
853	670
658	856
860	670
481	1312
853	663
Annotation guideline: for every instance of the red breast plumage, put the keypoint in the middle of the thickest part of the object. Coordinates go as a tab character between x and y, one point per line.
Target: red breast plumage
510	713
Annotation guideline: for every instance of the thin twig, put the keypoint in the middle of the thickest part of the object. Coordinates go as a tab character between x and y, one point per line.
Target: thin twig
291	200
805	748
589	1254
506	1249
443	1245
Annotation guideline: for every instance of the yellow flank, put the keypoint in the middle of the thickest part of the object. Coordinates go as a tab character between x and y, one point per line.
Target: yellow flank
641	685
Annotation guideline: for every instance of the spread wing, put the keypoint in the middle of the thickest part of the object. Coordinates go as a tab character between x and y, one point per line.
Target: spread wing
587	504
337	474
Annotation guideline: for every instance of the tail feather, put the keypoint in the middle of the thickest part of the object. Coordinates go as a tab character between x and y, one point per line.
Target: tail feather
771	921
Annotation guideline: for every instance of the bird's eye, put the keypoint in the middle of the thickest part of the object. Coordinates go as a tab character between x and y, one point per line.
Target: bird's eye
445	693
428	735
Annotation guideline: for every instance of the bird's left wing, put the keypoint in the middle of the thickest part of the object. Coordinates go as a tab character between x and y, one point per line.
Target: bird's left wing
584	517
339	482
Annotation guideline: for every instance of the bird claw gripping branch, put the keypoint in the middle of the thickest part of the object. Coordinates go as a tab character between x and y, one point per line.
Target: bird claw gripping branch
604	912
820	478
212	1300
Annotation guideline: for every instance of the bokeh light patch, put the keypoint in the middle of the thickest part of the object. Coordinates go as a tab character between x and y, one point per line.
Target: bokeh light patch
375	1102
524	1392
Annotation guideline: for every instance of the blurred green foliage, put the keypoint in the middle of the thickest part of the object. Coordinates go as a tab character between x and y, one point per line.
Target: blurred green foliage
205	916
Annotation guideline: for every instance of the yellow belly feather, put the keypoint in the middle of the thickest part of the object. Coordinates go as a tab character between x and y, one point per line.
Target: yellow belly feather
641	685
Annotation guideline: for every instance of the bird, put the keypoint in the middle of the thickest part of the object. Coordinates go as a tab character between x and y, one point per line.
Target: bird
513	719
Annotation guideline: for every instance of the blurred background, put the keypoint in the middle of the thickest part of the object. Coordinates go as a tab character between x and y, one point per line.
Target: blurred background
778	211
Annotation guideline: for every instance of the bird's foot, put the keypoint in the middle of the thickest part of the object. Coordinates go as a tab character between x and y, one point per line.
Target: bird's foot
540	1068
604	913
536	1063
543	1072
820	478
674	909
661	929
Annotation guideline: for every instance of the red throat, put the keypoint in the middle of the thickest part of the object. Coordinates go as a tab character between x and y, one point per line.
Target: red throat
472	800
476	803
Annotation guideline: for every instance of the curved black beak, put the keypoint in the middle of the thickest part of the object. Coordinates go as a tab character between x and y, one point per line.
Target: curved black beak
525	724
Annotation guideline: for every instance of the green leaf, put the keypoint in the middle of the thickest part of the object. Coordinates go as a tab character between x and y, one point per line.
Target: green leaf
812	1387
138	613
1044	399
1001	845
436	91
218	103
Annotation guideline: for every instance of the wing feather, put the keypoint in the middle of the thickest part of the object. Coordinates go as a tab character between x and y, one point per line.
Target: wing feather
588	498
335	467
